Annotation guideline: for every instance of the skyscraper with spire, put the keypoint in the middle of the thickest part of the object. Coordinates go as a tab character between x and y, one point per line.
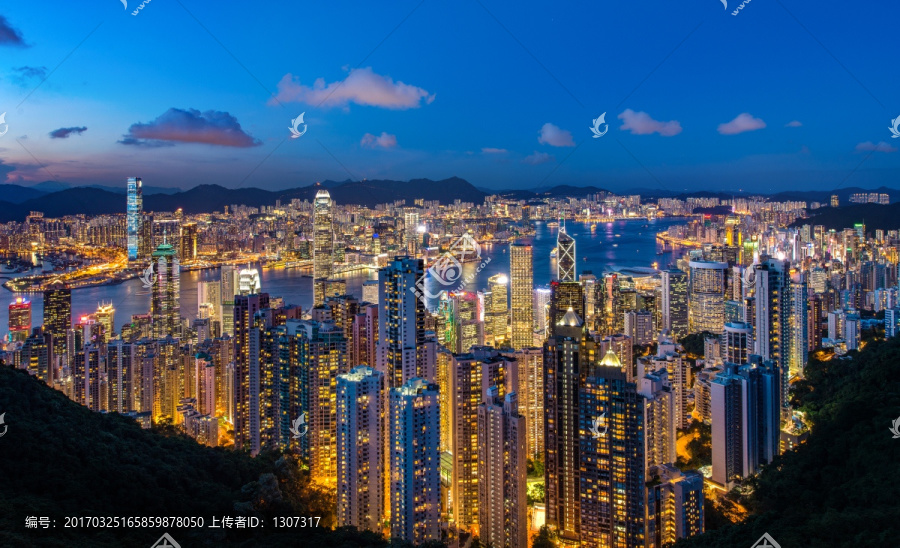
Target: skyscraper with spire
323	244
565	253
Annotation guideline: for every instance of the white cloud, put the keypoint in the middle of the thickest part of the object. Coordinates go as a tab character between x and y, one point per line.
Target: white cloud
385	140
743	122
537	158
869	146
640	123
490	150
555	136
793	123
361	86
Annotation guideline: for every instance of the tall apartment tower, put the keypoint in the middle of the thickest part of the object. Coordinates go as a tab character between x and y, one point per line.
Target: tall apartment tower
773	317
612	456
675	303
134	216
567	354
323	244
746	420
521	280
706	302
467	324
530	397
401	321
360	446
415	469
244	313
565	256
502	472
165	311
737	342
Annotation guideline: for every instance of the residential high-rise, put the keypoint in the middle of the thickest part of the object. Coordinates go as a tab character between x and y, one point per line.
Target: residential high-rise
541	310
415	469
496	313
659	418
773	317
530	362
188	243
798	326
675	303
106	316
245	311
502	472
249	282
360	449
58	316
521	280
745	406
229	288
611	452
706	296
134	212
567	354
736	342
467	324
401	321
323	244
674	505
565	253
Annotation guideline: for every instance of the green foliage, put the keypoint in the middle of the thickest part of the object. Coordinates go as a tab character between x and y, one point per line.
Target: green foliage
536	493
837	489
61	459
700	447
543	538
535	468
693	343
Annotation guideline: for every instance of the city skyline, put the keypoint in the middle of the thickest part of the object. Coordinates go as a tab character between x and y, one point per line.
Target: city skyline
688	107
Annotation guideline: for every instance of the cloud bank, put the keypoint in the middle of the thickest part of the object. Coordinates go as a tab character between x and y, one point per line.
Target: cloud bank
190	126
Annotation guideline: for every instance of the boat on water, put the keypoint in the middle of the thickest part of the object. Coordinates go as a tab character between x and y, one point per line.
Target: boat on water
553	253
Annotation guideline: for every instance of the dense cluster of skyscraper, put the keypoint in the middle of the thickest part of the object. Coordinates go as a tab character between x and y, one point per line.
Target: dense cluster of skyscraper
424	422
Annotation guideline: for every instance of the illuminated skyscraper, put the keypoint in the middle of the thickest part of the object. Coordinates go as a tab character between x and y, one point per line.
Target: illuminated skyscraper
360	449
541	309
674	506
521	281
134	210
773	317
706	301
675	303
612	455
564	296
567	355
245	309
165	311
496	314
106	316
736	342
415	469
20	319
467	325
229	288
401	322
188	247
502	472
58	316
323	244
565	253
530	363
248	282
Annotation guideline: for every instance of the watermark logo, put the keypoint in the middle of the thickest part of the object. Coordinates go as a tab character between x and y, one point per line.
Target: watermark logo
599	428
148	278
725	4
894	128
766	541
296	123
139	8
739	8
600	120
299	427
6	126
124	4
3	424
166	541
895	428
447	269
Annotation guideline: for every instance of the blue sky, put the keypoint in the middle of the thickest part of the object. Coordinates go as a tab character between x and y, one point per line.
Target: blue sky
502	94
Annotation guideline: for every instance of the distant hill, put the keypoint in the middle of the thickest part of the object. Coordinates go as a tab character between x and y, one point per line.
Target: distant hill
61	459
17	194
209	198
875	217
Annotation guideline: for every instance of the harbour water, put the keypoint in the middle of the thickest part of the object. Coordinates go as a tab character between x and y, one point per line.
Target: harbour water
618	246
